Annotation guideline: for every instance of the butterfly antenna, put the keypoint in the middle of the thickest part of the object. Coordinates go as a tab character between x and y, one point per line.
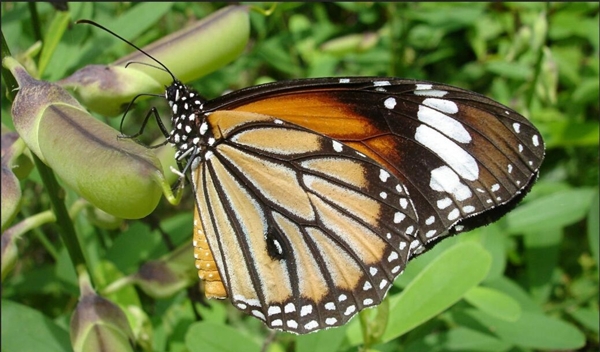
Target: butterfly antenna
128	42
145	64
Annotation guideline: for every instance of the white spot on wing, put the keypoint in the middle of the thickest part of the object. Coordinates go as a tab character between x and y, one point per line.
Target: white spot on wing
421	86
444	179
337	146
381	83
444	203
258	314
454	214
398	217
443	105
452	154
403	203
311	325
535	140
444	123
306	310
468	209
383	175
344	80
390	103
431	93
517	127
274	310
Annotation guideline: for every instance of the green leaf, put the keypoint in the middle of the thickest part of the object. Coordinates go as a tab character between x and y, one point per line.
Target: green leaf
513	70
533	330
542	249
53	36
587	317
459	339
513	290
25	329
210	337
494	240
322	341
441	284
494	303
554	211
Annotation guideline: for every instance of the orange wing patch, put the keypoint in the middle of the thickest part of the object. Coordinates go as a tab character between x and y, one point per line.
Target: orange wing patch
326	115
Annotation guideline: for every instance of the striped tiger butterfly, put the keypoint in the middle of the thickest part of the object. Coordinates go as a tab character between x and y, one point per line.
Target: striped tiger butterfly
312	195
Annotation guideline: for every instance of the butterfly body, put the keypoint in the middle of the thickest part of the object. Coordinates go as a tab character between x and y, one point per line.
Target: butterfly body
313	194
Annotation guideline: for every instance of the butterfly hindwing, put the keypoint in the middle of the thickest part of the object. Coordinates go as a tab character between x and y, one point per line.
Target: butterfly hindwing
305	230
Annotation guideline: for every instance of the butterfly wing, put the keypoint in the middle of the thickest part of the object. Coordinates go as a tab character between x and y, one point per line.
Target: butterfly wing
305	231
464	159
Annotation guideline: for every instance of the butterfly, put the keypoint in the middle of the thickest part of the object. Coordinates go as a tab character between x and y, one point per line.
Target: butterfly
312	195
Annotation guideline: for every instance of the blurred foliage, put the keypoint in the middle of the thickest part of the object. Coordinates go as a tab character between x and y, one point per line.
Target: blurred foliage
540	59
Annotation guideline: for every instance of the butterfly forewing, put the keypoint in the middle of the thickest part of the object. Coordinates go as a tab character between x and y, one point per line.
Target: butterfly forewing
305	231
458	153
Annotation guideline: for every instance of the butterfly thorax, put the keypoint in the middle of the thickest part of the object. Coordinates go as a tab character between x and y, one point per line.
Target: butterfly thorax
189	134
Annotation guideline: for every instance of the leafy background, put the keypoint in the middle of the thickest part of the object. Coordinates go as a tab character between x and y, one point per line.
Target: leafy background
540	289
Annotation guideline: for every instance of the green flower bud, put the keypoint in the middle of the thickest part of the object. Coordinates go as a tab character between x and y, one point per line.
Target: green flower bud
12	148
168	275
108	90
9	251
115	174
352	43
189	54
198	49
98	324
103	219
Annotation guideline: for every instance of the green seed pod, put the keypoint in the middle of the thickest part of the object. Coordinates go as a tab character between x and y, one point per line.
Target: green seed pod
98	324
115	174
